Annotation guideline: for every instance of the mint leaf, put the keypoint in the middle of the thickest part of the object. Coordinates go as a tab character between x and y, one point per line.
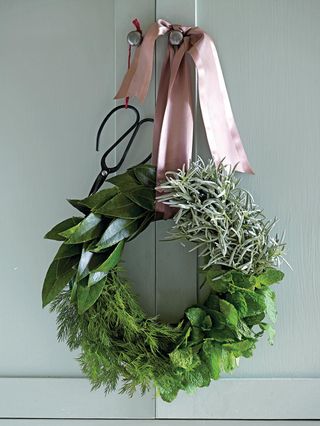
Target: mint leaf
196	316
229	312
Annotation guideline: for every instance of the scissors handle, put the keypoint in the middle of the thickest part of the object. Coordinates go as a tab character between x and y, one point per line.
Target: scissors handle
105	169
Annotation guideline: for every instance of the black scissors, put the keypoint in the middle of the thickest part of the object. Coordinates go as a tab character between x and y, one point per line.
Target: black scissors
105	169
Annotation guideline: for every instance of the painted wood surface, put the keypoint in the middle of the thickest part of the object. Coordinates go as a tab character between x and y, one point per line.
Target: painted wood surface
61	62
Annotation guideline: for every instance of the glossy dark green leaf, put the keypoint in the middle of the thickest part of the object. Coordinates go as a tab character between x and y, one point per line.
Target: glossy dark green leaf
87	296
144	197
77	205
88	229
120	206
144	223
68	250
112	259
146	174
96	200
83	266
118	230
125	181
59	274
54	233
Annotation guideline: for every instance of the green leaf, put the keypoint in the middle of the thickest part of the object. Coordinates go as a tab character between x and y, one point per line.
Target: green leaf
68	250
77	205
96	200
254	319
118	230
269	277
59	274
212	302
221	283
87	296
229	361
243	348
54	233
270	331
125	181
243	330
269	299
112	260
184	358
212	354
219	320
146	174
88	229
83	266
241	280
144	197
206	323
222	336
229	312
196	316
239	301
122	207
167	386
255	303
143	225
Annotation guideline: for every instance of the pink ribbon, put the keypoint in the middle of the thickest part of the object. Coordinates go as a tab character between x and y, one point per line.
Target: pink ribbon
173	127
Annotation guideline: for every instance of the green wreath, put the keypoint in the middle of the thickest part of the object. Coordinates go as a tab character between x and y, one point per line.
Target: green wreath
98	313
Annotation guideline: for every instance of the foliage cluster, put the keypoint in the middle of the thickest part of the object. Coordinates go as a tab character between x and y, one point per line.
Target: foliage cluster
98	313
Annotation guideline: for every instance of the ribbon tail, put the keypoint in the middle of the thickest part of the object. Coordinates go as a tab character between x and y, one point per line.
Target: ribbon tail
137	79
222	133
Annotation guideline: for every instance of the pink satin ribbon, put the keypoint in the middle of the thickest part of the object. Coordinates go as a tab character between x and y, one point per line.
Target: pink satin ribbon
173	127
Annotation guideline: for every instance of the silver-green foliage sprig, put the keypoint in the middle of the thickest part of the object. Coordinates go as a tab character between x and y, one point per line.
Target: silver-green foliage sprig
223	221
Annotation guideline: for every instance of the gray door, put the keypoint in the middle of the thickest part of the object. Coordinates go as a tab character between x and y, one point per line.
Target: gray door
60	64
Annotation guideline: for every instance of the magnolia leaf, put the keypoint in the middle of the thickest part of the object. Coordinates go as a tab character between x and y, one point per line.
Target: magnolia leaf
118	230
96	200
59	274
77	205
68	250
87	296
54	233
143	225
269	277
125	182
196	316
212	353
112	260
146	174
83	266
144	197
88	229
229	312
121	207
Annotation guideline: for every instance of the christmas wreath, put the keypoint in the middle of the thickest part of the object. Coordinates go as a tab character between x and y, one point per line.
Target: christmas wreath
98	313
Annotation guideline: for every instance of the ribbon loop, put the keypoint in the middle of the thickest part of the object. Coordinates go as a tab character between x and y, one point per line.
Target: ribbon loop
173	128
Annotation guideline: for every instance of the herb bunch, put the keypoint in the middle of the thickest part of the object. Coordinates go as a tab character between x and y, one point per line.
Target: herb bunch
221	218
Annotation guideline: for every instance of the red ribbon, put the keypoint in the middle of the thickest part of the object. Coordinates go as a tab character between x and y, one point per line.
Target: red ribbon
173	128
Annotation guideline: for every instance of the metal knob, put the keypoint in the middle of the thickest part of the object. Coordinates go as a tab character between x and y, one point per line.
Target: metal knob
134	38
175	37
